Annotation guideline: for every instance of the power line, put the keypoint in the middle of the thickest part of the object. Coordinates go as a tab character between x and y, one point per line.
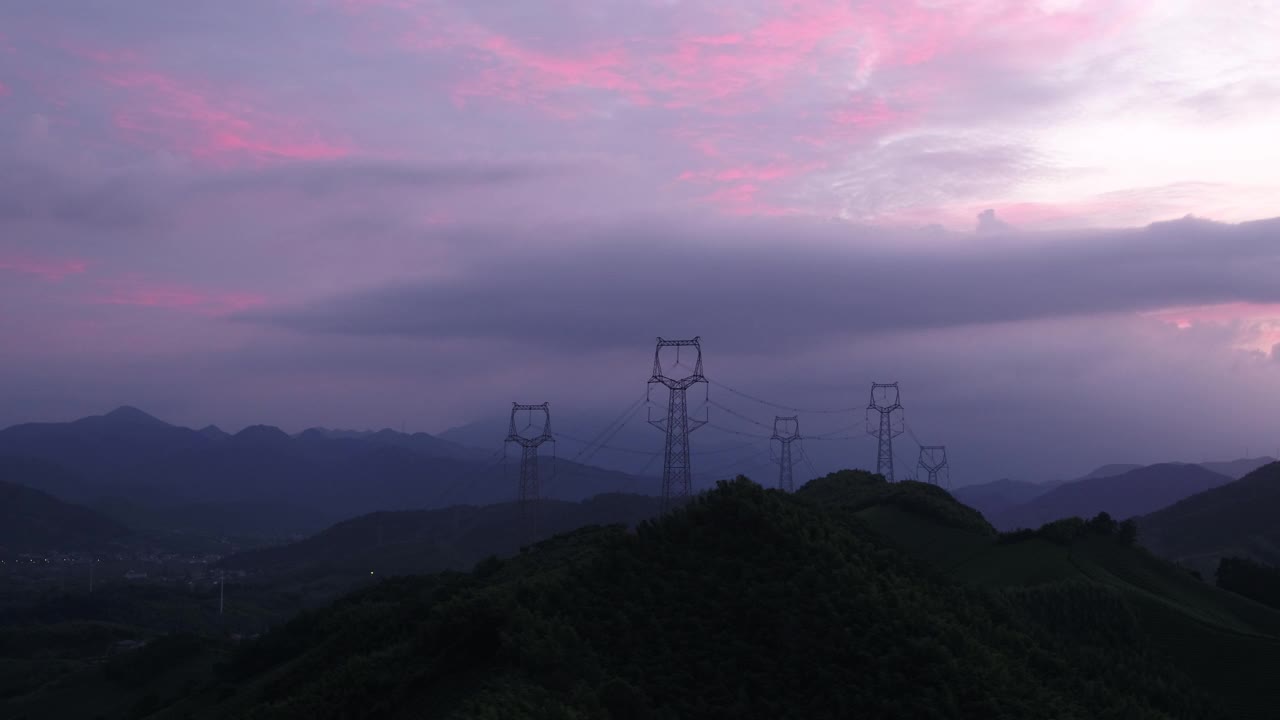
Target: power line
731	448
623	417
805	456
779	406
835	437
591	453
562	435
736	432
933	459
741	463
911	433
738	415
822	436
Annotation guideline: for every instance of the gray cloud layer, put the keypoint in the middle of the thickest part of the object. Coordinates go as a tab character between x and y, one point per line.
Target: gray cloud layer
803	283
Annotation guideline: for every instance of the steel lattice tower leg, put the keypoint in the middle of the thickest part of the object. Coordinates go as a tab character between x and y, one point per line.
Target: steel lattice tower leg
529	487
677	473
785	480
676	470
884	453
786	430
886	404
529	491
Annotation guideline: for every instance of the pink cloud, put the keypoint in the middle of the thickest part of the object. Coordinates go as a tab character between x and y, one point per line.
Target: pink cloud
743	198
52	270
846	73
1222	313
1060	214
1256	325
739	188
185	115
764	172
438	217
4	89
740	71
741	185
131	291
521	74
865	115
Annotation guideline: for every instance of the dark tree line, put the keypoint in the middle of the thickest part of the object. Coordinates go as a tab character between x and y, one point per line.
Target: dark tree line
1250	579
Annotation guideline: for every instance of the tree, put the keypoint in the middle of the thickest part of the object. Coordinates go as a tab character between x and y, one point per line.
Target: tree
1102	524
1128	532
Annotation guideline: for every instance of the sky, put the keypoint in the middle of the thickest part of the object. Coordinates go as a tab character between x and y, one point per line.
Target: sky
1054	222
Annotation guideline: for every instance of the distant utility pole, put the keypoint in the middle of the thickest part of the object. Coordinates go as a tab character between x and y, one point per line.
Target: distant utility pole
677	477
885	399
785	430
933	459
528	492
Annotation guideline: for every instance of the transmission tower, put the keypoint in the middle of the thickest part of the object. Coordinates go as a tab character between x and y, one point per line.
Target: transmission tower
885	399
677	478
786	430
528	491
933	459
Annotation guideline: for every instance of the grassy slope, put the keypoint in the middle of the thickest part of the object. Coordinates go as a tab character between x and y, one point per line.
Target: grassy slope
1229	643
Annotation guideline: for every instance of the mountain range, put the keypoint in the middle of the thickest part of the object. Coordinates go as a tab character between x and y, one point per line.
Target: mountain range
1122	490
1236	519
148	472
1136	492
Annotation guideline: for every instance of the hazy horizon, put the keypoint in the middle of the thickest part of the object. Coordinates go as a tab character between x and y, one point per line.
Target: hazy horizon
1052	222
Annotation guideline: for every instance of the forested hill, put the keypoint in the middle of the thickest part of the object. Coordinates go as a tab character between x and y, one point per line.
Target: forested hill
34	521
419	541
1135	492
848	598
1235	519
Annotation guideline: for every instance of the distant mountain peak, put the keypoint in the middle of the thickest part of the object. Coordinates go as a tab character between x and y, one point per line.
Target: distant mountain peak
130	414
262	435
1111	470
214	432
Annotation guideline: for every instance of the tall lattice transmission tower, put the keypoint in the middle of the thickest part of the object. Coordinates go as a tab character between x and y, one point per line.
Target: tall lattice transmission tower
528	492
933	460
786	430
677	477
885	400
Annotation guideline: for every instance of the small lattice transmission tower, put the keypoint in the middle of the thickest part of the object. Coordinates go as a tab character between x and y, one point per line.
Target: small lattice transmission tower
529	491
933	460
786	430
677	476
886	401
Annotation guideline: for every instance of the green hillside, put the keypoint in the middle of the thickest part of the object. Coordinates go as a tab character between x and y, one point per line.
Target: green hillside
849	598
